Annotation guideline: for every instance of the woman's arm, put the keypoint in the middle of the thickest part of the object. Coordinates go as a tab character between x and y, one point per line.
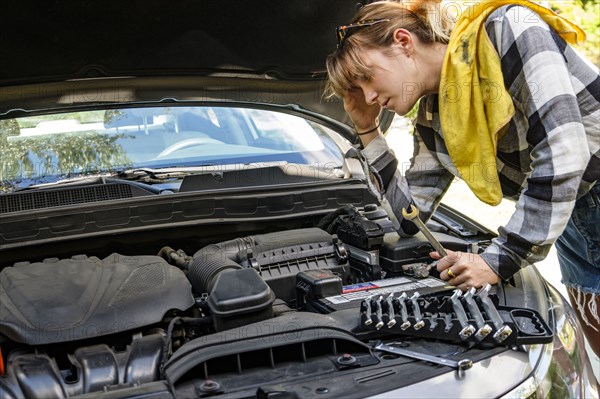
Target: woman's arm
423	183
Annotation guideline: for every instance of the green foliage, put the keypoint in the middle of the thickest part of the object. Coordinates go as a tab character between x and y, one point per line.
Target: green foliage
57	154
585	13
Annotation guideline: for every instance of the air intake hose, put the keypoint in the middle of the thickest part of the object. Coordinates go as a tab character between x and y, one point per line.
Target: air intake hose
213	259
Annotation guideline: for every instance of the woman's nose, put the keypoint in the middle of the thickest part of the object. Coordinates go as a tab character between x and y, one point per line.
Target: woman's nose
370	96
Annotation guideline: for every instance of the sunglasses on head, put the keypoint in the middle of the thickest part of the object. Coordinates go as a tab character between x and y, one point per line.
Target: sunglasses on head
343	31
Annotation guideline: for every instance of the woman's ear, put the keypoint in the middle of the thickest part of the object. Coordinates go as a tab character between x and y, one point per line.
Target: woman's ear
403	40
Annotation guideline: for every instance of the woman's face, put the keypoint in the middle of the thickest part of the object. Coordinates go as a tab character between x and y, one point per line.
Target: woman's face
396	82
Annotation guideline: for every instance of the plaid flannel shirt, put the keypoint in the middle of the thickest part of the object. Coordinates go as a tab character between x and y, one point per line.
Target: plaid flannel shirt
549	156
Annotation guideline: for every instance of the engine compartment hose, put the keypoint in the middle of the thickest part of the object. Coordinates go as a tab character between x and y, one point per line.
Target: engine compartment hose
177	258
206	265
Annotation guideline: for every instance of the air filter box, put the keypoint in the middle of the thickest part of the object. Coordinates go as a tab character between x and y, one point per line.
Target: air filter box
279	265
240	297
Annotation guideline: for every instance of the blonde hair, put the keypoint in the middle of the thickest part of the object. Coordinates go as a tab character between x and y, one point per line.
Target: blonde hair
424	18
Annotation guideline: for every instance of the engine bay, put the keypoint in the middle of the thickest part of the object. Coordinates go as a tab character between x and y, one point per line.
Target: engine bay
211	322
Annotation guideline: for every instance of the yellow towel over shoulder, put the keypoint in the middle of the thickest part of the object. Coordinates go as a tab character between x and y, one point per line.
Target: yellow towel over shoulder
474	104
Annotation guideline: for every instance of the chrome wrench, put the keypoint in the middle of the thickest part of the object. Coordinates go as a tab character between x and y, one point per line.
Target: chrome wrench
413	216
390	310
463	364
378	313
483	328
403	312
503	331
368	320
457	306
419	323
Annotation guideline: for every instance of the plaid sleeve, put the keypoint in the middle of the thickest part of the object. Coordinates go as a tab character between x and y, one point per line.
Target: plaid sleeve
380	157
425	181
537	76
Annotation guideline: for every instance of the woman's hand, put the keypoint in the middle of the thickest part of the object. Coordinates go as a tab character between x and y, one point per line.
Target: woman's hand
465	270
363	115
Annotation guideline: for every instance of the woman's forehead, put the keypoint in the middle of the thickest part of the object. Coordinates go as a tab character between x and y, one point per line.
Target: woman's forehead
374	57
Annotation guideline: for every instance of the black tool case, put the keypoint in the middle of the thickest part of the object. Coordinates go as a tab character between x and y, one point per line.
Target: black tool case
434	316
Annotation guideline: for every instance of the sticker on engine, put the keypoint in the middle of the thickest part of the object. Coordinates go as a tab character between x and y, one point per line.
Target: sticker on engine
432	282
393	281
361	291
374	284
359	287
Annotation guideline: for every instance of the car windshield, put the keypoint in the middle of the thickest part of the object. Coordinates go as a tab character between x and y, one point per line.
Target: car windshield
48	148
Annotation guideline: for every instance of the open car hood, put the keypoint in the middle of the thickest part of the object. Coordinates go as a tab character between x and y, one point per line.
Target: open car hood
279	46
286	39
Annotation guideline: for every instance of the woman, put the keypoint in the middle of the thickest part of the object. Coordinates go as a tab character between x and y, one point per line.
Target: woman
507	105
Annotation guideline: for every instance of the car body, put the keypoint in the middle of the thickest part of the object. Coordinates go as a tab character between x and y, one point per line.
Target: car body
183	215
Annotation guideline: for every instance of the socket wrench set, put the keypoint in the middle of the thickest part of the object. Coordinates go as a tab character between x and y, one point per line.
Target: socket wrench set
473	317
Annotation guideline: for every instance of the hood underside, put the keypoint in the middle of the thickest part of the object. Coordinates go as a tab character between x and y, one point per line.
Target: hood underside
68	54
71	40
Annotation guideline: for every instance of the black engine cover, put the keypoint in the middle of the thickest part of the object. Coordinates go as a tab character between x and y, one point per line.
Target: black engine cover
85	297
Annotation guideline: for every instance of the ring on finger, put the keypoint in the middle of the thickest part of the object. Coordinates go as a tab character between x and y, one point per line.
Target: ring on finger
450	273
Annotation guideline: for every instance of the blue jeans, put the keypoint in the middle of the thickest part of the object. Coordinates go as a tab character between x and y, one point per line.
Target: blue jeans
578	247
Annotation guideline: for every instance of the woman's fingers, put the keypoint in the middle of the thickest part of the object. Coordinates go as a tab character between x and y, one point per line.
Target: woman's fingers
464	271
363	115
447	261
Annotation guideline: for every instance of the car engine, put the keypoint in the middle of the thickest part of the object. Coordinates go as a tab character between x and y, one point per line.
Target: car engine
84	324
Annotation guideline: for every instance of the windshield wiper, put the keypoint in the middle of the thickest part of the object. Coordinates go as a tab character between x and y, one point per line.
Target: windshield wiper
72	180
151	175
147	175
